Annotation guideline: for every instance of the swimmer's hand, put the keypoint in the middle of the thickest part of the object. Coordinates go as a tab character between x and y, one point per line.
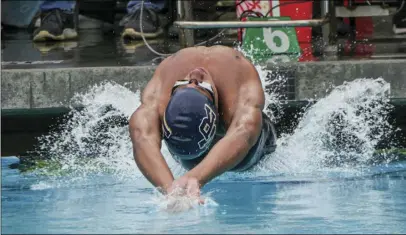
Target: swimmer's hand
186	186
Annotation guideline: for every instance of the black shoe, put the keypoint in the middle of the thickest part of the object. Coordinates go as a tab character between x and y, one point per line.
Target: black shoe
399	21
150	24
55	25
400	27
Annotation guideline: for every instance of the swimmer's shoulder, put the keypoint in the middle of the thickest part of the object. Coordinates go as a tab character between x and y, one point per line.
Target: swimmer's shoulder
206	50
234	54
197	50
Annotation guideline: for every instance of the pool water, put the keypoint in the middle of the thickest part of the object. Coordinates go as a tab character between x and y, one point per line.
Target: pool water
374	203
324	176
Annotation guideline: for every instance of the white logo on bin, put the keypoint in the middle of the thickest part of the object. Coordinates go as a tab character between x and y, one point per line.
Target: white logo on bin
270	36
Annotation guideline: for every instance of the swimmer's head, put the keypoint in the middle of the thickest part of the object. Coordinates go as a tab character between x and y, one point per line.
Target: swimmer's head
190	119
201	79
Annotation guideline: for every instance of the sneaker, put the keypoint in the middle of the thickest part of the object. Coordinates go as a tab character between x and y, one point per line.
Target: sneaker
399	21
400	27
55	25
150	25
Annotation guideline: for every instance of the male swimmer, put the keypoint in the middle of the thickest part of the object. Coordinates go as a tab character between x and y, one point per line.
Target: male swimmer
206	104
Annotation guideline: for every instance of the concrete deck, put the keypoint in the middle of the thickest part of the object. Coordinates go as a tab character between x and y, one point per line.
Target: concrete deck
53	88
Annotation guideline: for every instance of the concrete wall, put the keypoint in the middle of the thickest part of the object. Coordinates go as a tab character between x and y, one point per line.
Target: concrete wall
315	78
32	88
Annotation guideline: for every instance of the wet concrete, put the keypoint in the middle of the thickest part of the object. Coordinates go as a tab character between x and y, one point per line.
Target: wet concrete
93	48
104	47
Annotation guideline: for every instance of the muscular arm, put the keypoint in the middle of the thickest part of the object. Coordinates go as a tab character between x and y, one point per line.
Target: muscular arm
242	134
146	139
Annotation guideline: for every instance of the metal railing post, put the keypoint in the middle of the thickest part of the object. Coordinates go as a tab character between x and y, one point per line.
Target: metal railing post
325	28
329	30
185	13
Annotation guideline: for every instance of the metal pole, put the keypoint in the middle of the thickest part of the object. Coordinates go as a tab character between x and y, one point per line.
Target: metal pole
332	22
329	30
189	34
325	28
248	24
185	12
179	10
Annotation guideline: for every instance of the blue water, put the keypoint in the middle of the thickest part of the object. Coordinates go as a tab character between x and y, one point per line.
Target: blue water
322	178
337	202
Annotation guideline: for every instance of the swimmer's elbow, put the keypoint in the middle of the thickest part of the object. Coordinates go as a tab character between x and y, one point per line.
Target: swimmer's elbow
141	139
249	132
136	133
134	127
142	129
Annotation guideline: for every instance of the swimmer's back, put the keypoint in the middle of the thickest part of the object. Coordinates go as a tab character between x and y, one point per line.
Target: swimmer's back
235	78
224	63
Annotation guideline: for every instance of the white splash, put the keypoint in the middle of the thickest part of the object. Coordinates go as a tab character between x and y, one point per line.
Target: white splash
340	130
177	201
41	186
272	97
96	139
270	85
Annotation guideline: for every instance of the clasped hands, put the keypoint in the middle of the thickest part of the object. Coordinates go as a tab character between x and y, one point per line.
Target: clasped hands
186	186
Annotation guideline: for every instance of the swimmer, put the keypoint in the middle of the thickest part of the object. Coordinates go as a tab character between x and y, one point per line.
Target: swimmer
206	104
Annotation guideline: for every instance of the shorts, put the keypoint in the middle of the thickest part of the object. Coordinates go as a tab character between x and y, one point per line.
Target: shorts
266	144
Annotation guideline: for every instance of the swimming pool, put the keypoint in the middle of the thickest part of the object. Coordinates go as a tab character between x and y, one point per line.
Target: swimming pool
283	204
315	182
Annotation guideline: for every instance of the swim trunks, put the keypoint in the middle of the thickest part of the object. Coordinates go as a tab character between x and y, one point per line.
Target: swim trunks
266	144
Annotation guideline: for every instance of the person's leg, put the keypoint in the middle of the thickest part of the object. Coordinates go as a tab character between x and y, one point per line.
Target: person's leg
150	20
57	21
62	5
155	5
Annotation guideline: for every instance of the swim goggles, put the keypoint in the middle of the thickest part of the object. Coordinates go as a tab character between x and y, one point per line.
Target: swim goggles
205	85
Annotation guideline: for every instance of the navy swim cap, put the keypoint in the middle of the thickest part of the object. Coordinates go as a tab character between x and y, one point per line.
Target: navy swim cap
189	124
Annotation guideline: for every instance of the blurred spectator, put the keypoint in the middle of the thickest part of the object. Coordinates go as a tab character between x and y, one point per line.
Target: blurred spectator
18	13
57	20
150	21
